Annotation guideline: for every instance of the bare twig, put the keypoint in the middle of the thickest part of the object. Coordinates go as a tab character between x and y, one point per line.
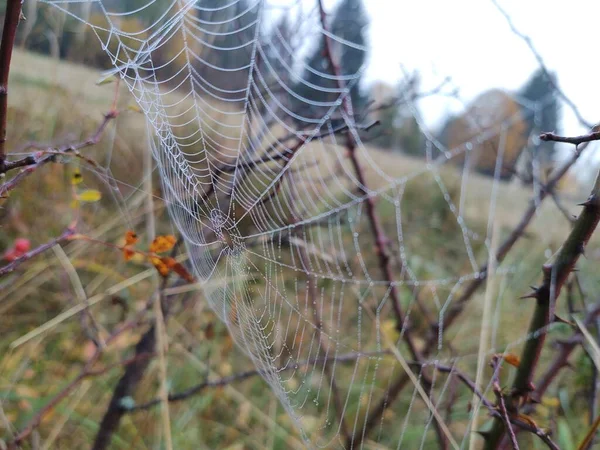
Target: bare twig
588	440
11	21
381	240
452	314
522	425
33	162
125	387
575	140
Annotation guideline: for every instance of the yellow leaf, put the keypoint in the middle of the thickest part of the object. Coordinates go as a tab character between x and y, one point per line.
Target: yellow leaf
162	268
74	204
389	330
138	258
163	244
89	196
551	402
512	359
225	369
76	178
106	80
134	108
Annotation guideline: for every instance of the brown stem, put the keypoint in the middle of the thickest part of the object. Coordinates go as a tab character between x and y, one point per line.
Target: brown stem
495	412
504	416
381	240
576	140
11	21
125	387
555	275
134	373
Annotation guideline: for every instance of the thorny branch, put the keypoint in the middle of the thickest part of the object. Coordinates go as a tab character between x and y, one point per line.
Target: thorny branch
448	317
381	239
496	412
555	275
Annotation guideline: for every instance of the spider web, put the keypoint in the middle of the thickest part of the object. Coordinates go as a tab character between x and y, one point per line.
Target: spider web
270	206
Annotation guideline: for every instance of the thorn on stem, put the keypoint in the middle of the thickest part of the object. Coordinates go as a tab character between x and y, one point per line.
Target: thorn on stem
533	294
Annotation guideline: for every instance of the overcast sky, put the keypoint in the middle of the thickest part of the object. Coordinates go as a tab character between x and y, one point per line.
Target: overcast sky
472	42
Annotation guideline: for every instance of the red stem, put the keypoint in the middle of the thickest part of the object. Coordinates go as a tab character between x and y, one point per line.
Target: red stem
381	240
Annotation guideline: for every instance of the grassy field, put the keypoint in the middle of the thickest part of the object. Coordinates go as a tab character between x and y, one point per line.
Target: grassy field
60	102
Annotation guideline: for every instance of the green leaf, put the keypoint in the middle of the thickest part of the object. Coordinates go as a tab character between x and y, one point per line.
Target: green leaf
565	437
594	350
134	108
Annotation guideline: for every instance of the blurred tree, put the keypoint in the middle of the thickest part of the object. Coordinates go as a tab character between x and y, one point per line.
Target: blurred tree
540	111
492	123
275	64
398	128
227	35
349	23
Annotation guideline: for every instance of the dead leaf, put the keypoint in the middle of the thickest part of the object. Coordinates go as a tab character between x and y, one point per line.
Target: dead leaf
128	253
512	359
131	237
162	244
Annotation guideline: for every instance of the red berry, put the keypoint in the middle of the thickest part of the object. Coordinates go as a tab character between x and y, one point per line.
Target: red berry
9	256
22	245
